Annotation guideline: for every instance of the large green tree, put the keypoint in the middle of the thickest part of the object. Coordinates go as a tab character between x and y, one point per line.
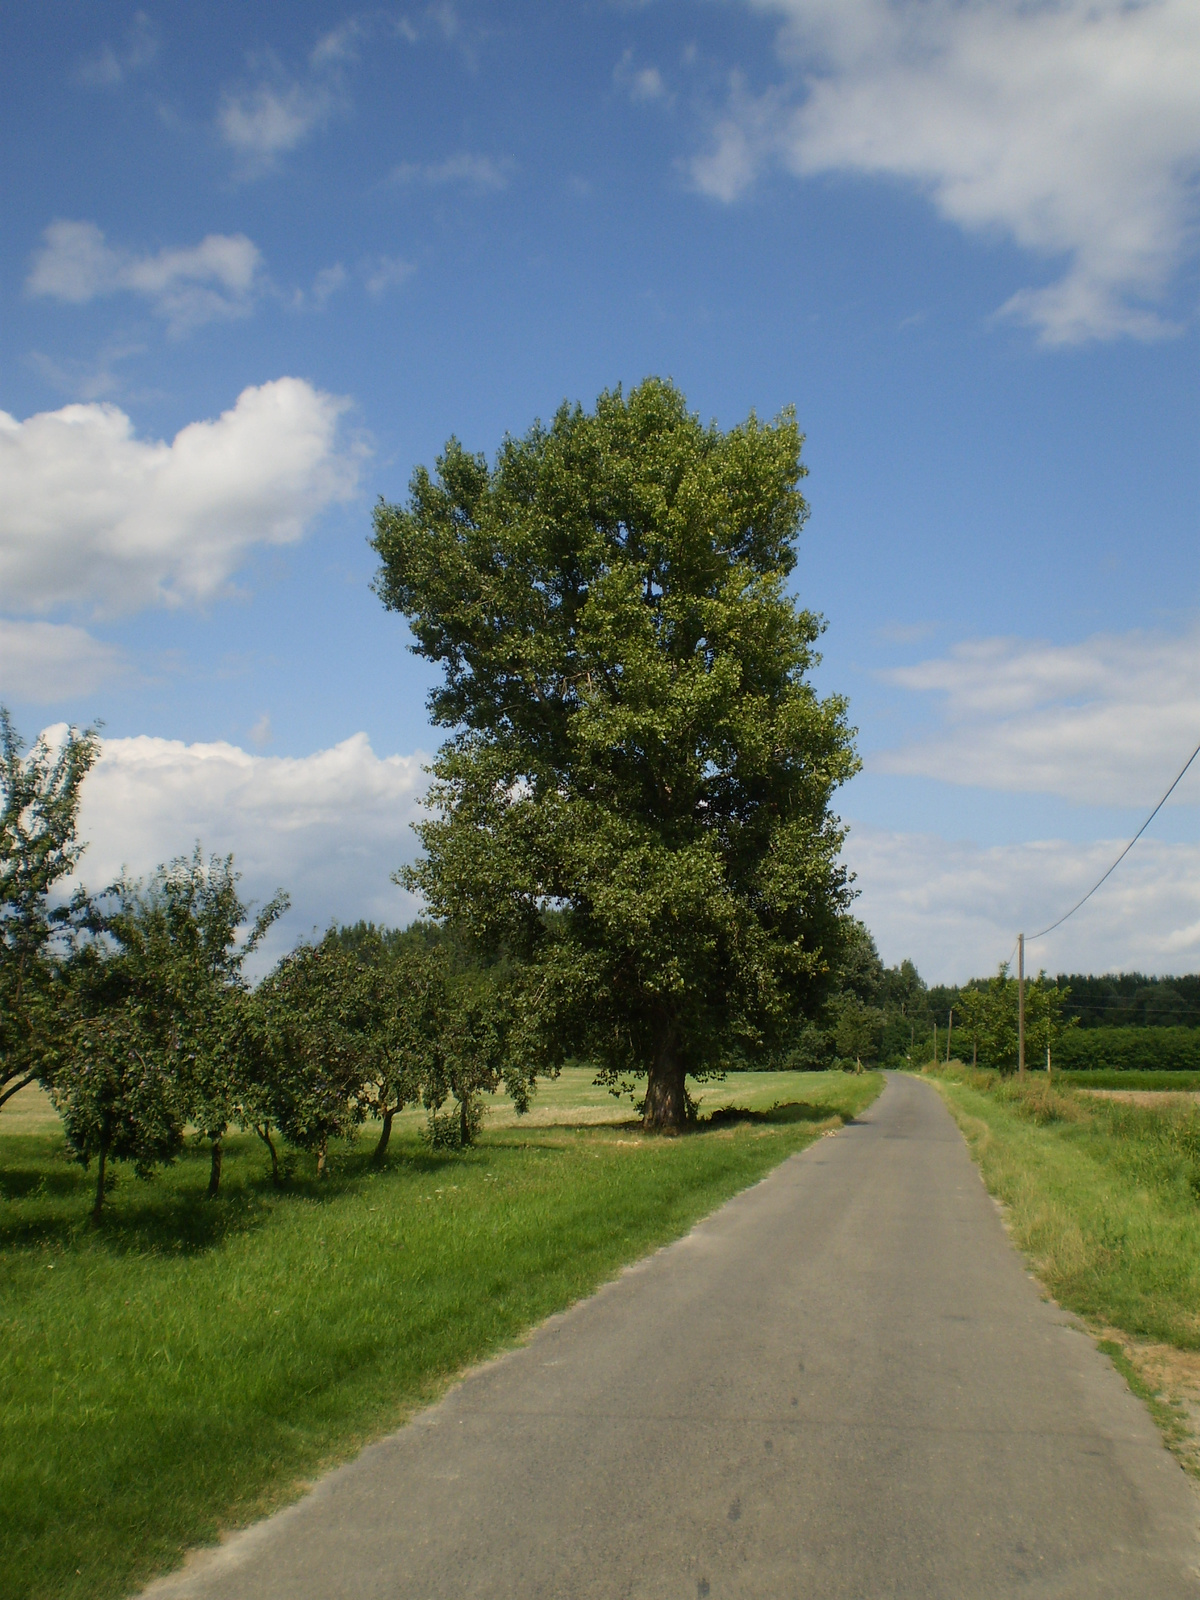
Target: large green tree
634	804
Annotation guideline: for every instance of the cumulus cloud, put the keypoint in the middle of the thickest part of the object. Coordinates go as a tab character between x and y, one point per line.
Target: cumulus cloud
112	65
265	121
1070	126
1107	721
330	827
91	515
476	172
214	280
43	662
956	907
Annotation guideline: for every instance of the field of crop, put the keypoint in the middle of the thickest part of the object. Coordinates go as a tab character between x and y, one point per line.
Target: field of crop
188	1365
1174	1082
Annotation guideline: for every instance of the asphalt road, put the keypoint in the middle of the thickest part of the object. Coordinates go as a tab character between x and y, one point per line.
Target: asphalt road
842	1384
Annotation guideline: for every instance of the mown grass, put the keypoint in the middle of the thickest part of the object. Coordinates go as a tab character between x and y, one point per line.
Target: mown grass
183	1368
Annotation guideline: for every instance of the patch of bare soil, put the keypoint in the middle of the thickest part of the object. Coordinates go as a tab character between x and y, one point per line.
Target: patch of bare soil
1172	1377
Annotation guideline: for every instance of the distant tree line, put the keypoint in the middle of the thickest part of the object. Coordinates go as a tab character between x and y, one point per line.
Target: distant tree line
876	1015
1133	1000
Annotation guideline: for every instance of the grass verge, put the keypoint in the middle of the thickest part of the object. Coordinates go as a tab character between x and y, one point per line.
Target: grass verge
1103	1197
187	1366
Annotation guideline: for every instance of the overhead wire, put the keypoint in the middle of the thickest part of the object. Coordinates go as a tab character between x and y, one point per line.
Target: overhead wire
1121	857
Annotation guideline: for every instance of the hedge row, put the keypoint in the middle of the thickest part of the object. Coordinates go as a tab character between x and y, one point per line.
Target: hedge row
1129	1050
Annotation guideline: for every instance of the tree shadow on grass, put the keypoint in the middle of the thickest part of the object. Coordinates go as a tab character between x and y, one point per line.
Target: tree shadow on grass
50	1197
793	1111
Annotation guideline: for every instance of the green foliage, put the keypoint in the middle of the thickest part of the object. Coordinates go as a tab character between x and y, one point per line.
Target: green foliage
986	1017
1133	1000
314	1014
470	1059
857	1029
408	1013
638	749
873	1012
39	806
1129	1050
153	1041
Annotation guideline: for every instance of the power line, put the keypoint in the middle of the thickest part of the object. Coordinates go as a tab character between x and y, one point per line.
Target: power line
1124	853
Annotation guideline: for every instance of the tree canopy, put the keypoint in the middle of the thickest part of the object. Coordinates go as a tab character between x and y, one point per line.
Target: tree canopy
39	806
634	803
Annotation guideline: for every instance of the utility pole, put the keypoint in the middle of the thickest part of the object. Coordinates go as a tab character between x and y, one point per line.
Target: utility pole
1020	1005
935	1054
949	1035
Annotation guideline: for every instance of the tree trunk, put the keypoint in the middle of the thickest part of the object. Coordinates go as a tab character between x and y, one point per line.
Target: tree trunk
322	1152
214	1172
666	1092
101	1167
385	1133
464	1122
263	1131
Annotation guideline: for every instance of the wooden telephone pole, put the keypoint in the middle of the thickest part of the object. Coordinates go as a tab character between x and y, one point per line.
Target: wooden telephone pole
1020	1005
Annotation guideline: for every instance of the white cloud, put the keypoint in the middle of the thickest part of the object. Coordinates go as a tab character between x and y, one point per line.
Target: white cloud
474	172
327	282
641	84
381	273
742	138
214	280
110	66
330	828
956	908
339	44
91	515
1070	126
266	121
42	662
1108	721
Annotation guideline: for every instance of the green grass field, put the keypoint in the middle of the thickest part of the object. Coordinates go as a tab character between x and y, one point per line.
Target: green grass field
188	1365
1104	1199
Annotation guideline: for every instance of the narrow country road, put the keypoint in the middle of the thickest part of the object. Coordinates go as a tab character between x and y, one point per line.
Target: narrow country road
842	1384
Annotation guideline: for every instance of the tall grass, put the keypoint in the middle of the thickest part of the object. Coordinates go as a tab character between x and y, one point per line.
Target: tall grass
1104	1196
184	1367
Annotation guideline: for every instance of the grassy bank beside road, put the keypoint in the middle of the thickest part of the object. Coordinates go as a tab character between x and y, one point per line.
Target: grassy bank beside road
180	1369
1104	1199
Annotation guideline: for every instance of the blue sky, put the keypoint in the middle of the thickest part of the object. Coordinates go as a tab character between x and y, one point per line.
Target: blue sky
258	262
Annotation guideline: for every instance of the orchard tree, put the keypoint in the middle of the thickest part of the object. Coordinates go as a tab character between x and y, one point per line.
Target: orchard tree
404	993
634	803
315	1016
39	807
470	1057
209	936
154	984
